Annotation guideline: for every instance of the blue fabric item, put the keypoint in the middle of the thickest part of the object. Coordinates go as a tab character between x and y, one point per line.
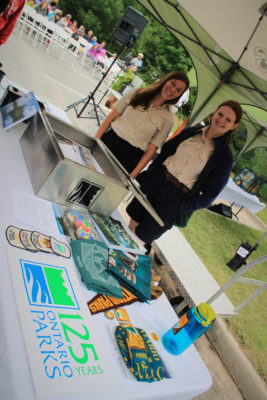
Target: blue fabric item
91	259
133	271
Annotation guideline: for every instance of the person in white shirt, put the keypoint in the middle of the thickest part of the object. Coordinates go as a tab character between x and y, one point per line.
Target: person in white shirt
138	61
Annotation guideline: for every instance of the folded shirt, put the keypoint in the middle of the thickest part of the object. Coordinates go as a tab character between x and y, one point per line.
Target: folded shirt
91	259
139	354
133	271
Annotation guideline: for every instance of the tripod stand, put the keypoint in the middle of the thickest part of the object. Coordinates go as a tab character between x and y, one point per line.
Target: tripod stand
86	100
104	94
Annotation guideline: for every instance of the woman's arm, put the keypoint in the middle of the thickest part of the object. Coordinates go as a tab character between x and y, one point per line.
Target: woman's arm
10	25
113	115
148	154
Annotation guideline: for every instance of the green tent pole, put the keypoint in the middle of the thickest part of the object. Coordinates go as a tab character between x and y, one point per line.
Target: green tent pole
245	149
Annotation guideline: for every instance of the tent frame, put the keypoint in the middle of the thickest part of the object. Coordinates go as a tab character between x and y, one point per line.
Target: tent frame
225	77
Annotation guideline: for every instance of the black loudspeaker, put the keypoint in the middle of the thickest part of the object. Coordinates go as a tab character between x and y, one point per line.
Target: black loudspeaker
129	27
222	209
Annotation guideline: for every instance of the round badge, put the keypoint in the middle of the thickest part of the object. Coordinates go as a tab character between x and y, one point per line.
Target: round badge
155	336
109	315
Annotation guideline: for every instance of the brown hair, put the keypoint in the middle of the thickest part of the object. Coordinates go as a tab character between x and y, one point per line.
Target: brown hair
235	106
144	96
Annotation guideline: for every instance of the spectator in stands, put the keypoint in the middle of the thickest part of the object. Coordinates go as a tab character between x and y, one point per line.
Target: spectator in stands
58	14
141	120
138	61
76	35
93	40
9	13
101	56
93	54
42	8
51	14
81	31
88	36
73	27
187	175
102	50
65	21
127	60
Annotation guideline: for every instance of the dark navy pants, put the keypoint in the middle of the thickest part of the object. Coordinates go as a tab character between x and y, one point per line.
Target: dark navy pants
166	200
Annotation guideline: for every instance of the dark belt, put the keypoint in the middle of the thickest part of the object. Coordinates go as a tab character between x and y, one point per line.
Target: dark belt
175	181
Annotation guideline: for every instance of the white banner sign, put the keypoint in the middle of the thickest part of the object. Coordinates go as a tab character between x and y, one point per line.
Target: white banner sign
63	345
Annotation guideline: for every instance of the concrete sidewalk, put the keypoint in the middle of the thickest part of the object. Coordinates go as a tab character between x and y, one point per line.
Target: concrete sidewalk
33	69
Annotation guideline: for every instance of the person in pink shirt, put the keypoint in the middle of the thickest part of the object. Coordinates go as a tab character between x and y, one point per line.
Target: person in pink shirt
101	54
102	50
93	54
9	13
97	50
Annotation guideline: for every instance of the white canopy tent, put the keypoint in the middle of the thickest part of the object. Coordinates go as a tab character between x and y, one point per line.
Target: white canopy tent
227	43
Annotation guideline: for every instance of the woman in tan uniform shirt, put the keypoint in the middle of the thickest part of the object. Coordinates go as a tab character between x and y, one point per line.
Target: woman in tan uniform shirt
187	175
141	120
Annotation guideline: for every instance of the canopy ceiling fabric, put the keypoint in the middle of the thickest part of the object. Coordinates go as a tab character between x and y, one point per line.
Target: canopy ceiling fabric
256	125
225	42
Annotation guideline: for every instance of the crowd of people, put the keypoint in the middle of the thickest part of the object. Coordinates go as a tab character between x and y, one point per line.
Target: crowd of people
49	8
96	49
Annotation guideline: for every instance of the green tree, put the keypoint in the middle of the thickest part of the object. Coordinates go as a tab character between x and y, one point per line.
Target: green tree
100	16
163	52
239	138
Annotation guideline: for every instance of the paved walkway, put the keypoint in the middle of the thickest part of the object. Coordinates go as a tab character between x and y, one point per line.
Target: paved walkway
33	69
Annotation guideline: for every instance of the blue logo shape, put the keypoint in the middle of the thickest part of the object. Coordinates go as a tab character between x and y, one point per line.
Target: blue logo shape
48	285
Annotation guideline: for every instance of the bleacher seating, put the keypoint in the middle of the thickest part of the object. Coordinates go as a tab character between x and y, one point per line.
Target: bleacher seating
56	41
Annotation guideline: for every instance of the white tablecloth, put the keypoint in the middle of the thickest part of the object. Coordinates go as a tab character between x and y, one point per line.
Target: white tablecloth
190	376
234	193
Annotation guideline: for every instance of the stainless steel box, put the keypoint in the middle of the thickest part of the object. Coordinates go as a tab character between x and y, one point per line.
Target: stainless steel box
64	181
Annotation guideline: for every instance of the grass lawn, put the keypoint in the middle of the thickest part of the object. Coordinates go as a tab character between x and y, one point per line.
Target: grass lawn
263	215
215	239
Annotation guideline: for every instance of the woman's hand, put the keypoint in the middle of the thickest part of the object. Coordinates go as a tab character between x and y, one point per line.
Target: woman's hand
113	115
147	156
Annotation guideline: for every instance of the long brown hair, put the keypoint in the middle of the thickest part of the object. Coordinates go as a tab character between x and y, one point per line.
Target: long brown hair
144	96
236	108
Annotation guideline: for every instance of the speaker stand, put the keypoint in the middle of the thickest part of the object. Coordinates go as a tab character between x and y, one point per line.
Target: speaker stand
104	94
91	97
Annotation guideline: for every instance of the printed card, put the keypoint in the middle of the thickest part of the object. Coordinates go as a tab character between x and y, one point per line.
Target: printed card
64	351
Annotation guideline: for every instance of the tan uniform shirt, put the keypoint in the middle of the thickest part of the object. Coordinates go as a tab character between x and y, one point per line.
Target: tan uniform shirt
189	159
140	127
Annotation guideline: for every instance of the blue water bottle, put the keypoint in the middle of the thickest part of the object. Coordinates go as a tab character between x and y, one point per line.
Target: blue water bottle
189	328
